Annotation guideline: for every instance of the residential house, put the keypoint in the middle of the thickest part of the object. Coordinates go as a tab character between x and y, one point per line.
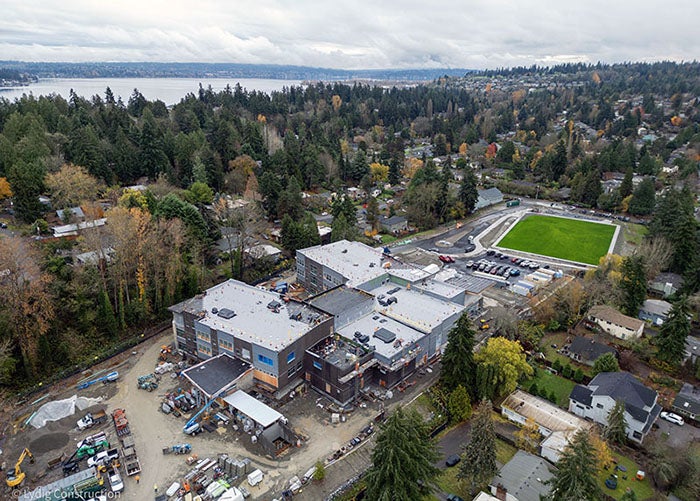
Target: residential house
655	311
556	425
596	400
687	402
615	323
393	224
523	478
692	349
665	284
587	351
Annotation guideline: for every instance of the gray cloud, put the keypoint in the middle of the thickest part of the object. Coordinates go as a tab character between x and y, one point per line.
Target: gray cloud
357	34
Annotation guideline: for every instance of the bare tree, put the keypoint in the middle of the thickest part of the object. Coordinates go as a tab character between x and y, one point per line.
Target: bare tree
657	253
505	322
238	224
24	297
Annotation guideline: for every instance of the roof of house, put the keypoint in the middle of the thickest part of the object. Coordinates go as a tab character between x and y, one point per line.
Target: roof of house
524	477
542	412
241	310
667	278
656	307
688	399
581	394
355	261
390	221
692	346
624	386
588	349
215	374
610	314
74	211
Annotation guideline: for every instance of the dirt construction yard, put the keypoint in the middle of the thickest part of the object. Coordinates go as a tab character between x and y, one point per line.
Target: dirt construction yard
152	430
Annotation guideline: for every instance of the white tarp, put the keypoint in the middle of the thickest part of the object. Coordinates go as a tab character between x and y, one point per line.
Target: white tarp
58	409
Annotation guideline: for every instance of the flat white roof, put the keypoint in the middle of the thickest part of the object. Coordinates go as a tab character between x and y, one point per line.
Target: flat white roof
442	289
543	413
253	320
414	308
355	261
369	325
253	408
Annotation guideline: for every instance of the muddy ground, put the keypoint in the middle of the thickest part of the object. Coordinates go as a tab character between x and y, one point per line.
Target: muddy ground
152	430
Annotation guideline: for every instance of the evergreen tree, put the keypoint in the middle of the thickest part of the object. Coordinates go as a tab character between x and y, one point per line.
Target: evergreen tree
633	284
290	200
403	460
607	362
575	477
672	336
270	188
643	198
468	193
479	458
458	366
373	213
626	186
27	182
616	429
341	229
106	315
394	171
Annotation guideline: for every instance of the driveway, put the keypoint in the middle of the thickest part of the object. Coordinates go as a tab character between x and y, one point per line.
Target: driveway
674	435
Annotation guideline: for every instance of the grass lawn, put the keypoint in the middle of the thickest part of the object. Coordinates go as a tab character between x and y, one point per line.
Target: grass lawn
642	489
449	483
387	239
560	386
571	239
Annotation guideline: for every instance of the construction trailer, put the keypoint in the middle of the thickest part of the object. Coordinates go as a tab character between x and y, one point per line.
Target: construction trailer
81	485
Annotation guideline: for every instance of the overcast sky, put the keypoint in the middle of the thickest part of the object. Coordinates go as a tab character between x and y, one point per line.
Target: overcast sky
351	34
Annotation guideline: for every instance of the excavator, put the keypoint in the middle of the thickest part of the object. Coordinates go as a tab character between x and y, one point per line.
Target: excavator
16	476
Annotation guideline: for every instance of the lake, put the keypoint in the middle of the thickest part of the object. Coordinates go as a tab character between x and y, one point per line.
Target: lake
168	90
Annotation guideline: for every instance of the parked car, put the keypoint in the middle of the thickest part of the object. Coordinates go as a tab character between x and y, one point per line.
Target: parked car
452	460
469	264
672	418
443	258
514	272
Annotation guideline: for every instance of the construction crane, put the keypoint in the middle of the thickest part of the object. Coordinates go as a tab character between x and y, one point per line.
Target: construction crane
16	476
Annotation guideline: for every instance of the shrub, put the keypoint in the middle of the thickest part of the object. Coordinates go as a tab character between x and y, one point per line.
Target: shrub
578	375
556	365
552	397
534	390
566	371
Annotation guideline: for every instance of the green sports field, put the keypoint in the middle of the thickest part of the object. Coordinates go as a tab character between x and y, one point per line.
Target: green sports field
571	239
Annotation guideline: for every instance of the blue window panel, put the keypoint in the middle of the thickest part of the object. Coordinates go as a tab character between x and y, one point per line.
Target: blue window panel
290	357
266	360
318	365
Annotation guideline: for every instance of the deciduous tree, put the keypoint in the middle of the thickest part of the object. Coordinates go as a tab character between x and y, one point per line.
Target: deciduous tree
508	359
71	186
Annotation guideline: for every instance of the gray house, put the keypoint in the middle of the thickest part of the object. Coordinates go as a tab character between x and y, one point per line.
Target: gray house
687	402
393	224
596	400
523	478
655	311
587	351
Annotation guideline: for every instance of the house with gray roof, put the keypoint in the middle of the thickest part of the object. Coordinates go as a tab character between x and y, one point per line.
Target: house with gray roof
655	311
596	400
587	351
665	284
687	402
523	478
393	224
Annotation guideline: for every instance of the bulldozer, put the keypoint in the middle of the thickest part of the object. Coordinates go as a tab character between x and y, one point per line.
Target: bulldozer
17	476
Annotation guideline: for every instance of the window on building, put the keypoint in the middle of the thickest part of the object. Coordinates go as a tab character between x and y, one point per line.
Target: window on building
318	365
600	406
636	434
245	354
290	358
266	360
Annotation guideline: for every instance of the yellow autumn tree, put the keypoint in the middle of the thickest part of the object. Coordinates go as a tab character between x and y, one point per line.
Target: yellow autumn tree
528	437
336	101
411	167
5	190
463	148
604	457
380	172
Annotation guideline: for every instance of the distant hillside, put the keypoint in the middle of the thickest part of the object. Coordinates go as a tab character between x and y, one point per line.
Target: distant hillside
222	70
